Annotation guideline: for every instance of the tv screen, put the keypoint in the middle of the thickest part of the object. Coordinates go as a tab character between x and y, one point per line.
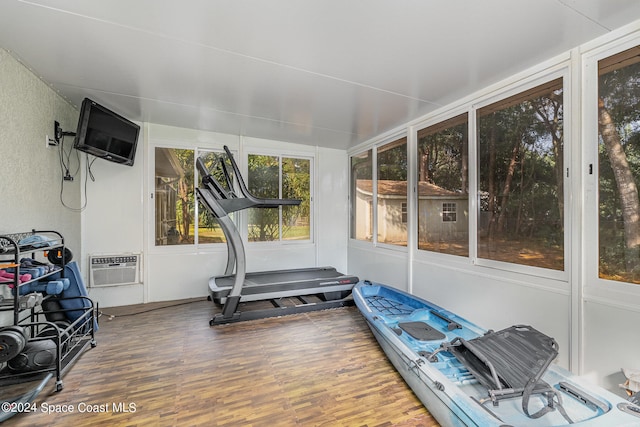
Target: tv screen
105	134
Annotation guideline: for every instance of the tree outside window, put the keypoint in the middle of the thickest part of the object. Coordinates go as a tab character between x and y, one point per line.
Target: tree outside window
174	196
276	177
521	196
296	184
176	222
443	185
619	166
209	230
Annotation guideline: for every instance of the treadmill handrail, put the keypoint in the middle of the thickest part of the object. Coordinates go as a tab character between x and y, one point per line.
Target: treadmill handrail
220	192
260	202
212	183
228	178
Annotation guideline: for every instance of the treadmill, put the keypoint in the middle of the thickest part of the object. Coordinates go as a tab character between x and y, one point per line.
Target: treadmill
330	288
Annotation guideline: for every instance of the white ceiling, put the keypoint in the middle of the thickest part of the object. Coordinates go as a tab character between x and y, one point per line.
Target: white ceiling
331	73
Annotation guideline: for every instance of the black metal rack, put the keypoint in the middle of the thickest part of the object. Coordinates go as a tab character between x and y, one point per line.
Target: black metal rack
37	322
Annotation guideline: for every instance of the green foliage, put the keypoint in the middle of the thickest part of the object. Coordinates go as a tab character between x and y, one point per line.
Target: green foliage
443	157
520	152
392	161
266	173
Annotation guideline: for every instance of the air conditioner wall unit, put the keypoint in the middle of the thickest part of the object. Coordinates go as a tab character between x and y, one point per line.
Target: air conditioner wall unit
114	270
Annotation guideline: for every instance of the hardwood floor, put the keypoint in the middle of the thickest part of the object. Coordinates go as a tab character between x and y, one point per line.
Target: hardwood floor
168	367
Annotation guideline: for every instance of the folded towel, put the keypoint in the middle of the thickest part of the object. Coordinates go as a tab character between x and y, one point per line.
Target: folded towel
36	241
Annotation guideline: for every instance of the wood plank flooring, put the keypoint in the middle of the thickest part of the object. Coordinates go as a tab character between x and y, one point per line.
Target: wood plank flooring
168	367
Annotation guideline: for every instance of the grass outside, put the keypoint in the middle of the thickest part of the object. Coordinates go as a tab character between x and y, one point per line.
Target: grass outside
532	252
215	235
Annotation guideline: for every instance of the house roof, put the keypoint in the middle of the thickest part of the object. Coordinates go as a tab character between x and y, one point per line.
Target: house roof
391	188
167	164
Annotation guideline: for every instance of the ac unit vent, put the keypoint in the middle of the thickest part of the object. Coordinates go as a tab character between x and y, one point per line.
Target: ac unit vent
114	270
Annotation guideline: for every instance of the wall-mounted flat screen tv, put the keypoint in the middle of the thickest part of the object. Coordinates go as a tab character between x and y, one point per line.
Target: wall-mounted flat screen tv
105	134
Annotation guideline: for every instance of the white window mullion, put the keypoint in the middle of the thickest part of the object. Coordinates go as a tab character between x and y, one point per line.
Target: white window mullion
374	196
474	192
280	192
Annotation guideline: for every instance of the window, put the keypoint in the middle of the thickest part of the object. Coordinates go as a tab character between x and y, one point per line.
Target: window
209	231
362	196
280	177
449	212
392	192
404	212
174	196
443	164
619	166
521	175
176	222
296	184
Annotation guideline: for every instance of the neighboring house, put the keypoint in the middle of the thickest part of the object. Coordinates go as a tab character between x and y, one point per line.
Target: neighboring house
442	214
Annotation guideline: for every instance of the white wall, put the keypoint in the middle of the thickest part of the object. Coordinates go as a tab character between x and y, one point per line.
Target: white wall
112	222
382	264
610	342
332	208
30	177
120	218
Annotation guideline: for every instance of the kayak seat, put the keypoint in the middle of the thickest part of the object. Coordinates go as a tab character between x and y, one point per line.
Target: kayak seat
510	363
421	331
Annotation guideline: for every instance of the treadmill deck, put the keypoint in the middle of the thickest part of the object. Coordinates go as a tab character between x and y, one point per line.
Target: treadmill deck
283	283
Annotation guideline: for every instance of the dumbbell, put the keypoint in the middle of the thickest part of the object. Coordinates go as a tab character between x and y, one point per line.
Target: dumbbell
30	300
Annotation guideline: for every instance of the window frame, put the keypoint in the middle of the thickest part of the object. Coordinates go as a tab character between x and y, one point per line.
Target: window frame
560	71
239	218
280	154
621	294
385	142
438	120
369	216
373	212
187	247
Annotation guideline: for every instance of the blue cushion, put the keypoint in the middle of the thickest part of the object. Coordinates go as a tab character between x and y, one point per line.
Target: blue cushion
76	288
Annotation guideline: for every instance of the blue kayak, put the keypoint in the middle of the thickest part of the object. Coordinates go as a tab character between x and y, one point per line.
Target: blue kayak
469	376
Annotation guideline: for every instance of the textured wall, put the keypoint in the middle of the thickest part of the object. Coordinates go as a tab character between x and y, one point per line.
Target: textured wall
30	173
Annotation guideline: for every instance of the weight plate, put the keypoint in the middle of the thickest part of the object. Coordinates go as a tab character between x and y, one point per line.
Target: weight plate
12	343
55	256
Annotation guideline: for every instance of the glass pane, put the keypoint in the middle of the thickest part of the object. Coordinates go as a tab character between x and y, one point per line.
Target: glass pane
521	203
362	196
619	166
443	189
174	196
264	181
209	230
296	181
392	192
